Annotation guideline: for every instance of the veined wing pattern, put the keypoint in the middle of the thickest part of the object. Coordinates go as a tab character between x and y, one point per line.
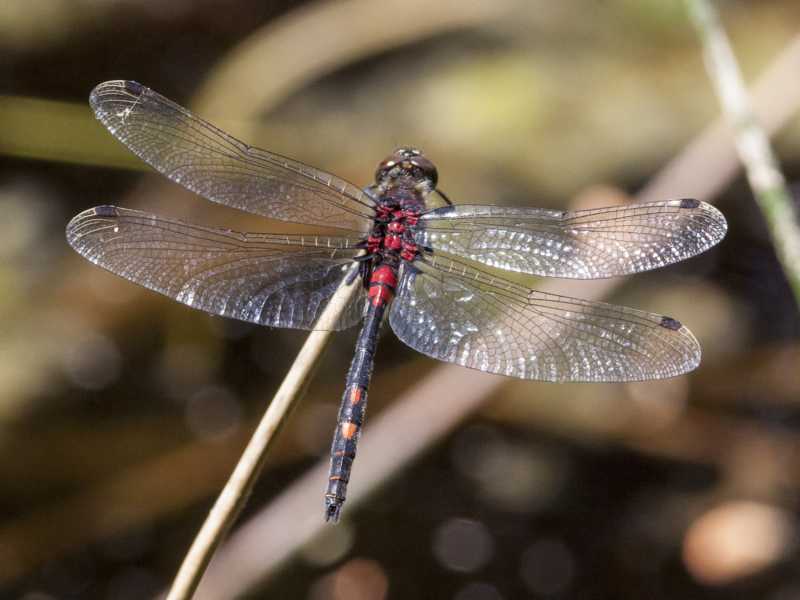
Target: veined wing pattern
586	244
446	305
452	311
215	165
268	279
434	271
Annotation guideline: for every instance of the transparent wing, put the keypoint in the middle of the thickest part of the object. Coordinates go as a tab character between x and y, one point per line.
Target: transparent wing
448	310
586	244
275	280
219	167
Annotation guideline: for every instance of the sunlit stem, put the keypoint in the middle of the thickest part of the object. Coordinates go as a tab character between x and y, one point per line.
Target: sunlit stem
233	496
752	142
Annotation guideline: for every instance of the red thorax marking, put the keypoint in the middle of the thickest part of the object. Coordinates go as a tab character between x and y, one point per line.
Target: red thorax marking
411	217
409	251
392	242
383	212
373	243
399	219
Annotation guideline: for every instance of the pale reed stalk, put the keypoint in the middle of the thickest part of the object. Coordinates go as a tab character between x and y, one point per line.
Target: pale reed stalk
234	495
752	141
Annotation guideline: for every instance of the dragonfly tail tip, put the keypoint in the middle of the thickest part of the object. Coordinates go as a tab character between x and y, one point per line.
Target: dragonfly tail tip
332	512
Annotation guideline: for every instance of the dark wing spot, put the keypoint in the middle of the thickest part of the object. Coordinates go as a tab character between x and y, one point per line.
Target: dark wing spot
689	203
106	211
134	87
670	323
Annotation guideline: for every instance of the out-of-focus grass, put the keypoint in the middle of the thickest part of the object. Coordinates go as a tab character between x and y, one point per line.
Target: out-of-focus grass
58	131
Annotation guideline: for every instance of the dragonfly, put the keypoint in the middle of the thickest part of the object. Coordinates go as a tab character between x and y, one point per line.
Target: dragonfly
445	276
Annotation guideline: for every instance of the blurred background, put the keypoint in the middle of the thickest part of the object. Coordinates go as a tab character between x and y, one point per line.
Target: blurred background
122	413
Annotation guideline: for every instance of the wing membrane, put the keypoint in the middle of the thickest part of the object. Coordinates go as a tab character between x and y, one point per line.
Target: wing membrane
453	312
586	244
275	280
211	163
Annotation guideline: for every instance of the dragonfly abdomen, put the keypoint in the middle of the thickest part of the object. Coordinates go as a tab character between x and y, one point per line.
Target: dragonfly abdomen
354	400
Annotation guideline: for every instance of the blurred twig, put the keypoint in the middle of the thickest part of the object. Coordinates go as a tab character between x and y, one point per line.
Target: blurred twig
752	141
48	130
682	176
275	61
234	495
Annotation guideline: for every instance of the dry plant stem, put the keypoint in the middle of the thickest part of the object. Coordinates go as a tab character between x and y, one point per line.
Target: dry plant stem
232	499
752	142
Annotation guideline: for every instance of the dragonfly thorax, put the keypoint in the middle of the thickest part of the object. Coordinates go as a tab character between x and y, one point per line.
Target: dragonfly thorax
393	232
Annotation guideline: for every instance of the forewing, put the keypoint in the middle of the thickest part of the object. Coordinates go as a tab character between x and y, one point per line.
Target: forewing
586	244
215	165
275	280
455	313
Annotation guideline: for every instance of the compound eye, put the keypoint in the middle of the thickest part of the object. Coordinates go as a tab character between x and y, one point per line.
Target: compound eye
426	169
383	169
405	152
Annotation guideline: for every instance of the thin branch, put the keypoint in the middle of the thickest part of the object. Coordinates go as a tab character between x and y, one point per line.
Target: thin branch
233	496
752	142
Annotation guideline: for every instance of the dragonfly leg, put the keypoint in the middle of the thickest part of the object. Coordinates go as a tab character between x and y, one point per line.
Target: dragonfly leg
444	197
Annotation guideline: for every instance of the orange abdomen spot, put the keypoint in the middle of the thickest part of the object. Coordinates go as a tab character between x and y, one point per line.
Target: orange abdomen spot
349	430
356	395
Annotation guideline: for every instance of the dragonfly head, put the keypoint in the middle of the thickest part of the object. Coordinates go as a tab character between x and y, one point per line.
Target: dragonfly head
407	167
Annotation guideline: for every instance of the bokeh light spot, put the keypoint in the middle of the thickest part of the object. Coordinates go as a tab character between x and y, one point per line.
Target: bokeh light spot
547	567
463	545
357	579
735	540
329	546
478	591
213	411
93	362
